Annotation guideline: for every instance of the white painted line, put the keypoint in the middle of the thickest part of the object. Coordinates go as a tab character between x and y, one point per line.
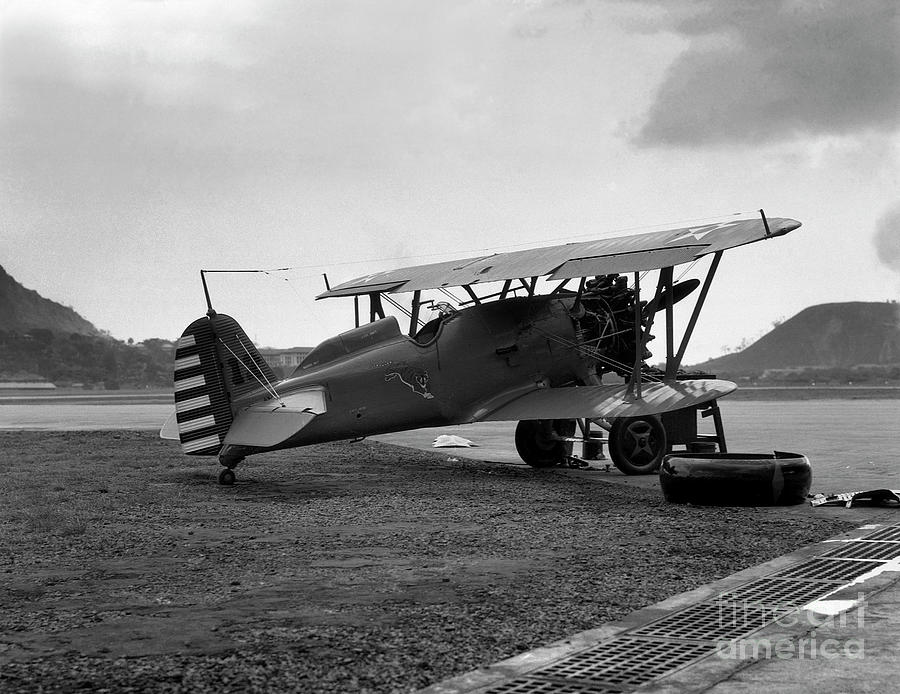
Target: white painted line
831	607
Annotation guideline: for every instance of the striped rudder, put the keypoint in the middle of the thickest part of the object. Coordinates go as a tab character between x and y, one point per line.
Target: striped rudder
202	407
215	365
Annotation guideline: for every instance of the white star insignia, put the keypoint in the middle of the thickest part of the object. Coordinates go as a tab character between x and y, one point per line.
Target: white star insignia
697	233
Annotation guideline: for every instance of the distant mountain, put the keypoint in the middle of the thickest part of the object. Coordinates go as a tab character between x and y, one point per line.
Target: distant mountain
41	340
23	310
827	336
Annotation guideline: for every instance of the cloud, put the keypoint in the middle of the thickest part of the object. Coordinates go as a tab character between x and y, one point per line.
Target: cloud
139	138
771	71
140	100
887	238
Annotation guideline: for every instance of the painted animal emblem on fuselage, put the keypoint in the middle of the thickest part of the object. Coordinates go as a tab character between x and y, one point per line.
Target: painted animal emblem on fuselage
413	378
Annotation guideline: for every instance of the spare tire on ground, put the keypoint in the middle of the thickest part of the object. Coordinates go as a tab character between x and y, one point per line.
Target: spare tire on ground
736	479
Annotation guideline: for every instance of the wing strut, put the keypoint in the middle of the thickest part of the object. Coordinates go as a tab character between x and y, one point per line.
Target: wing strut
672	365
664	283
414	314
561	286
670	320
376	310
472	294
635	382
529	287
577	305
479	300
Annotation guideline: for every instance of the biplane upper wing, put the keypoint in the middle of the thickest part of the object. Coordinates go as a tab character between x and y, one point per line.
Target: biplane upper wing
633	253
591	402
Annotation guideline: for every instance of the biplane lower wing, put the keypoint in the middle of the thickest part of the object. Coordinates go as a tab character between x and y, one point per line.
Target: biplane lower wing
595	402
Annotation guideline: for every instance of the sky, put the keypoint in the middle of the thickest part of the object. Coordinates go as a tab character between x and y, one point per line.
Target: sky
142	141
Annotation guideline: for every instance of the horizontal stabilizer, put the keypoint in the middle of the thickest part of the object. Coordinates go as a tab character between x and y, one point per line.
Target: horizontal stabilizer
265	429
272	422
169	430
606	402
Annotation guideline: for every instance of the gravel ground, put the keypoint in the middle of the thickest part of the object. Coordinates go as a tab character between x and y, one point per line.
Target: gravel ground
335	568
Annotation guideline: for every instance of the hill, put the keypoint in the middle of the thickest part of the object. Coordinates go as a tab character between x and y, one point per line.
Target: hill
834	342
23	310
41	340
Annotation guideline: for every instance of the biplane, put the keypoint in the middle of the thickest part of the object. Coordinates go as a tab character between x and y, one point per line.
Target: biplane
553	338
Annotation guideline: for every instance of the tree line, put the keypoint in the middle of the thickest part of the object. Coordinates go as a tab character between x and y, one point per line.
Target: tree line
67	359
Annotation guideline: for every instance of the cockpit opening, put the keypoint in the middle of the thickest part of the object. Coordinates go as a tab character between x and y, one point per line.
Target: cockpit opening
429	332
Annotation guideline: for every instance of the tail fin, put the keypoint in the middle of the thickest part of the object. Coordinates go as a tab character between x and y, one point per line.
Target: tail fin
215	363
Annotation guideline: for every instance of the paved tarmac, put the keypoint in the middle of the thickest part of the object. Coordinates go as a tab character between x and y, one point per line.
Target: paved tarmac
821	620
870	467
801	623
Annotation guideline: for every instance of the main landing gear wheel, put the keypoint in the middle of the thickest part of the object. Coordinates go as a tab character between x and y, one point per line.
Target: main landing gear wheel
538	444
637	444
227	477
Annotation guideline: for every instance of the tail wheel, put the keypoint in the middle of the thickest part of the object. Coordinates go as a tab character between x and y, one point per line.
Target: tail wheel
637	444
538	444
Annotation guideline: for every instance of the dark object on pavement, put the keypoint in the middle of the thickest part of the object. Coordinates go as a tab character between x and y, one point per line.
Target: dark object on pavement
736	479
873	497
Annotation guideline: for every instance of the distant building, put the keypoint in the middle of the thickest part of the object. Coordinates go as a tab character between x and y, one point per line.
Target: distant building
284	361
26	385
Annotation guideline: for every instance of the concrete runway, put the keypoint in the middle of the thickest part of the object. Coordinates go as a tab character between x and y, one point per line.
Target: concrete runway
851	444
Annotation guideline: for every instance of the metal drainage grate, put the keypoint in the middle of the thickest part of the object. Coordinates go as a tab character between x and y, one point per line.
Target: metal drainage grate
786	593
720	621
864	549
617	666
534	685
829	569
626	661
891	533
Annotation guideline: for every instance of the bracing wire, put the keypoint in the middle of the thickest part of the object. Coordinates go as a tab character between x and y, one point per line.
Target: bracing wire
263	373
446	291
271	391
588	352
686	270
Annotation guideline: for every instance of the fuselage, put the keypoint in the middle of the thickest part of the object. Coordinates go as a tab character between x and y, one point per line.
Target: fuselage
378	380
